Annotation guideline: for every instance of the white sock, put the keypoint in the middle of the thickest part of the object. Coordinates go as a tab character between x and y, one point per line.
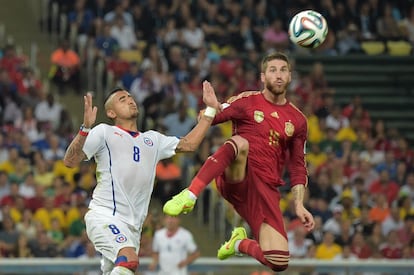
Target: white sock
236	246
192	196
120	270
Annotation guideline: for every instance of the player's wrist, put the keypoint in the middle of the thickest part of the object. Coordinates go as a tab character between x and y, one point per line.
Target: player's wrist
210	112
83	130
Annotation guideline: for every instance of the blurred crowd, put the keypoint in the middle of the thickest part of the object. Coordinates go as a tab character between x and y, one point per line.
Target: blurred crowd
361	177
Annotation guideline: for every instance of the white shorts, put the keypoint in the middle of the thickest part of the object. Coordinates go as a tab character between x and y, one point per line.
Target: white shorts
109	235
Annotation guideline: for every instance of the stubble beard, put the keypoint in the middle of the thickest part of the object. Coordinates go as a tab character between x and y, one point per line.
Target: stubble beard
276	91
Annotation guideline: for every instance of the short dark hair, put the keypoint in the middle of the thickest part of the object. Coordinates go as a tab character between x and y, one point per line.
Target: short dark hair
273	56
115	90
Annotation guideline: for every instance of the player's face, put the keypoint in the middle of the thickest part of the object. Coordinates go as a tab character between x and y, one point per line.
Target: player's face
122	106
277	76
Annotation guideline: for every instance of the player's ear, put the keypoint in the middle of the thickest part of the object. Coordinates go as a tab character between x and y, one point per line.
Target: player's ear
262	77
110	114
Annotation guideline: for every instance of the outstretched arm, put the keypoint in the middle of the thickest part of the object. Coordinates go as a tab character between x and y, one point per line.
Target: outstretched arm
74	154
192	140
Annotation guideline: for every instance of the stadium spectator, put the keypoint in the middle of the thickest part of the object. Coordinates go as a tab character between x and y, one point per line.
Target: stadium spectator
393	221
360	247
387	25
298	243
392	247
380	209
275	38
27	227
42	246
167	255
124	34
386	186
80	20
120	11
47	111
328	249
65	67
9	238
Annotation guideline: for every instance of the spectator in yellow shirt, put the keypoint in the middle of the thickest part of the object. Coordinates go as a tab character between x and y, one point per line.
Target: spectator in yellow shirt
328	249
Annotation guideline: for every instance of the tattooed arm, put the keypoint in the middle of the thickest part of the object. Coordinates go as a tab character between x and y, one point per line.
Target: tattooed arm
298	192
74	154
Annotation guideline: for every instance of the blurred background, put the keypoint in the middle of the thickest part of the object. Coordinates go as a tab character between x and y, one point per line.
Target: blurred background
356	90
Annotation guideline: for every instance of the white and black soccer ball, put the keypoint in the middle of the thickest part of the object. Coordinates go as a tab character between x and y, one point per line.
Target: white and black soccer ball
308	29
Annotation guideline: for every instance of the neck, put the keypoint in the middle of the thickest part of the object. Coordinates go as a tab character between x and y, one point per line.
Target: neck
129	125
277	99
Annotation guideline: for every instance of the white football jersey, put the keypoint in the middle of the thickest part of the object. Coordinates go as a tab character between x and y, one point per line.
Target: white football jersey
172	250
125	170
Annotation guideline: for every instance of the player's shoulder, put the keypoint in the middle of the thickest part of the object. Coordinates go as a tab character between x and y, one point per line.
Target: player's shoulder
243	95
101	128
297	110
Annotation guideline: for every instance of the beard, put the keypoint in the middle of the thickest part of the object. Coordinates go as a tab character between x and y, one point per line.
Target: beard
276	89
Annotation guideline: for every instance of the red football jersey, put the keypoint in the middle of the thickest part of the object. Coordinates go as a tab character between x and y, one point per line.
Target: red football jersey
276	134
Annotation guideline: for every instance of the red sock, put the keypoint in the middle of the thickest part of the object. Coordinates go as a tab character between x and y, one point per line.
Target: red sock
252	248
213	166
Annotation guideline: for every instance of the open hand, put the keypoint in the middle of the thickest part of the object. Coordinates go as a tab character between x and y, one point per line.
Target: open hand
89	113
209	96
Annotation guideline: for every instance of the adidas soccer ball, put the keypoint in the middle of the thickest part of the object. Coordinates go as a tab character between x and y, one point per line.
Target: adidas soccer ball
308	29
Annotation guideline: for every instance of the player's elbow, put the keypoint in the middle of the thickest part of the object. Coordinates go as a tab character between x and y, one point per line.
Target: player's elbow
187	146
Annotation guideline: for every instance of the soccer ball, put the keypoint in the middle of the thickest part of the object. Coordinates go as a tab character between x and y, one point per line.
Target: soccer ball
308	29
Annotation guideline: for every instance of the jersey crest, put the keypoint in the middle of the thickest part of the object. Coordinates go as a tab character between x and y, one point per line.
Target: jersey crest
258	116
120	238
148	142
289	128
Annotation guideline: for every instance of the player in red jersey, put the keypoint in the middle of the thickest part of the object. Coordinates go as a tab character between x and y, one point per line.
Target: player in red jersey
269	132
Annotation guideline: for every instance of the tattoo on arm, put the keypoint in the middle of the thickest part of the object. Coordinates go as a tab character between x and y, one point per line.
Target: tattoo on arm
74	153
298	192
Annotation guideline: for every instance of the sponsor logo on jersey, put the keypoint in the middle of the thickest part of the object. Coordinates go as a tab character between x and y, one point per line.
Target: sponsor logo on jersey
120	238
148	141
118	134
289	128
258	116
275	114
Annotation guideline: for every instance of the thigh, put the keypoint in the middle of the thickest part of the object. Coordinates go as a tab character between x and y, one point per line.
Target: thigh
110	235
271	239
236	172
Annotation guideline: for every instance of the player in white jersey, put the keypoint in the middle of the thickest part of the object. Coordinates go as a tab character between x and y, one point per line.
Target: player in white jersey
126	161
173	248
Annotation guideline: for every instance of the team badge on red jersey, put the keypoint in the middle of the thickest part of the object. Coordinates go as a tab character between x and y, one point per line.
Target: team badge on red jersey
289	128
258	116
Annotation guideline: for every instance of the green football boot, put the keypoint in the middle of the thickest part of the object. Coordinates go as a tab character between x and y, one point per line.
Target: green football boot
228	248
180	203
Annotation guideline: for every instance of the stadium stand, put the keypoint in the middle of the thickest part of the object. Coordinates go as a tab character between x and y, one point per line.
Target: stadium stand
373	145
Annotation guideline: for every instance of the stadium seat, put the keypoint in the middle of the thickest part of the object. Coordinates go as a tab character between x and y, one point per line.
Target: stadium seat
373	47
399	48
131	55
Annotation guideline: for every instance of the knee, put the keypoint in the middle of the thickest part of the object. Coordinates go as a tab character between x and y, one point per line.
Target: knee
123	262
241	143
277	260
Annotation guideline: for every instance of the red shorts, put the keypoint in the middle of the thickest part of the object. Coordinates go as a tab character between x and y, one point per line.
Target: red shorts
255	201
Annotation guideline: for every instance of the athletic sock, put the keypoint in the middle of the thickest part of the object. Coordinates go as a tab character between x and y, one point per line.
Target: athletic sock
252	248
213	167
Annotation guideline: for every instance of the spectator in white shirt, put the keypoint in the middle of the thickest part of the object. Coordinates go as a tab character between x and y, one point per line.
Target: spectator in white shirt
192	35
173	248
298	243
48	111
124	34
